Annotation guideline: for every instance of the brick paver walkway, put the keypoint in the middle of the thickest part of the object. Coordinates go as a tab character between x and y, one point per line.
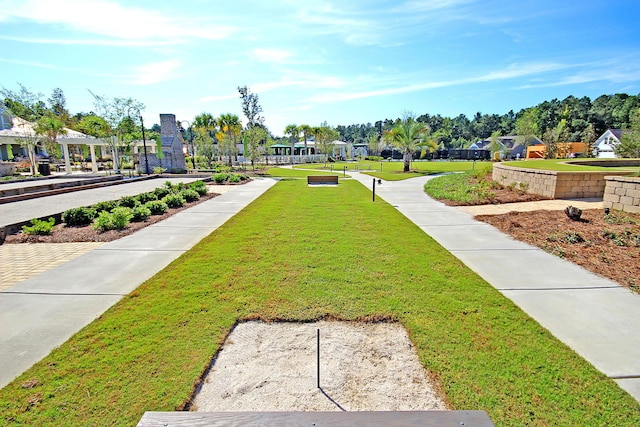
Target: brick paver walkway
21	261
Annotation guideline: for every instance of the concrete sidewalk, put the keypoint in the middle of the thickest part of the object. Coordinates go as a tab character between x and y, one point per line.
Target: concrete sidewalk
42	312
15	212
593	315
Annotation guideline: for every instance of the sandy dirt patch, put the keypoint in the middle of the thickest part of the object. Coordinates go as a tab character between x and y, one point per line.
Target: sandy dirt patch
273	367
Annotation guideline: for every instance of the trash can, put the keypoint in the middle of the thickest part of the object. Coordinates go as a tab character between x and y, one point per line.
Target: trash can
44	168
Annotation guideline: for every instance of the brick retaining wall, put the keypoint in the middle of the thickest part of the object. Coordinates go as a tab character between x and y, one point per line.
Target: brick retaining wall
555	184
622	193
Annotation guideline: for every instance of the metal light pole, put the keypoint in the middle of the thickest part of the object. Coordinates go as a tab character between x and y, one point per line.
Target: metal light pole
144	139
193	153
144	144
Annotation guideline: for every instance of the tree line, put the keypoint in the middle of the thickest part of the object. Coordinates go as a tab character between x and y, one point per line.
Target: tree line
118	122
578	119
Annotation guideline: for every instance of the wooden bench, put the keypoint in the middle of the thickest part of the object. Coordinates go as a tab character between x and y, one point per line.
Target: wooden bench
335	418
322	180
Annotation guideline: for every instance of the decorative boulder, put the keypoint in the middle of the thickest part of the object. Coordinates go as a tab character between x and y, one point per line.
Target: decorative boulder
573	213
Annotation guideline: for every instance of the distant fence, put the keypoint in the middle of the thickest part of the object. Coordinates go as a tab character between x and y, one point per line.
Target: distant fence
452	154
288	160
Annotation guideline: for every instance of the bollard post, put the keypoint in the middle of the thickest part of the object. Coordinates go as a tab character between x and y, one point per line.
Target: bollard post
374	189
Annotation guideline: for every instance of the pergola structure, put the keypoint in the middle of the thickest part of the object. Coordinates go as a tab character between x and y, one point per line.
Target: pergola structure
20	129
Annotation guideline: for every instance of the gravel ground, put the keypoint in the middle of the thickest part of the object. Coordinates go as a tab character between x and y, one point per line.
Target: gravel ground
273	367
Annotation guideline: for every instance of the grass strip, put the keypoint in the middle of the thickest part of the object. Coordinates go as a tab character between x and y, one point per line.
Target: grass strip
299	253
395	168
464	188
297	173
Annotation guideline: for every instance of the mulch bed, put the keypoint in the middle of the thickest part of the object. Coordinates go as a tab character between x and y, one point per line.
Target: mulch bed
609	249
64	234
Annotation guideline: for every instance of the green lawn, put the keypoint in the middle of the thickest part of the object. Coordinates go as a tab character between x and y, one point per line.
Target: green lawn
393	171
564	165
300	253
278	172
459	187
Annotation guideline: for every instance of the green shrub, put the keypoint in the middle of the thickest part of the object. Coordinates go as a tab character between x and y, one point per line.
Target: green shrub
158	170
174	200
140	213
234	178
572	238
107	206
128	201
190	195
39	227
118	219
161	192
157	207
146	197
221	177
174	188
199	186
78	216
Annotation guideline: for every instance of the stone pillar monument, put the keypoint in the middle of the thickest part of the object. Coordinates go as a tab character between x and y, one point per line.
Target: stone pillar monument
173	155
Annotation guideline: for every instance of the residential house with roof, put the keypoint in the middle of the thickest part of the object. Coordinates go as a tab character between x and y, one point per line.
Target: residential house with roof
510	146
605	146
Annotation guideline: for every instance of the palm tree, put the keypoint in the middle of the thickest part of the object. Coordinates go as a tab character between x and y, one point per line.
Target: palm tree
205	126
306	131
407	135
294	133
316	131
230	125
205	122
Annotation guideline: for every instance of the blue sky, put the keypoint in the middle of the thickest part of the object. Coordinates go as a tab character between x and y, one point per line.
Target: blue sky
313	61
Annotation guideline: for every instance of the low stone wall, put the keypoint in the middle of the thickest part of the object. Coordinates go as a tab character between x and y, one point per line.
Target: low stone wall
7	168
622	193
555	184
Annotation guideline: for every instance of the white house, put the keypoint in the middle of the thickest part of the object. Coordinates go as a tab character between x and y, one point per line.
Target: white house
605	146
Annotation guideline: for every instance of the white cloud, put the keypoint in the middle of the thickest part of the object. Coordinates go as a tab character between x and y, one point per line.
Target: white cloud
30	64
215	98
90	42
430	5
109	19
513	71
156	72
272	55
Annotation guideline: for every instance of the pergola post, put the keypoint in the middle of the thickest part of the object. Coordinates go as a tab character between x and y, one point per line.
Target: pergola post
94	164
67	160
